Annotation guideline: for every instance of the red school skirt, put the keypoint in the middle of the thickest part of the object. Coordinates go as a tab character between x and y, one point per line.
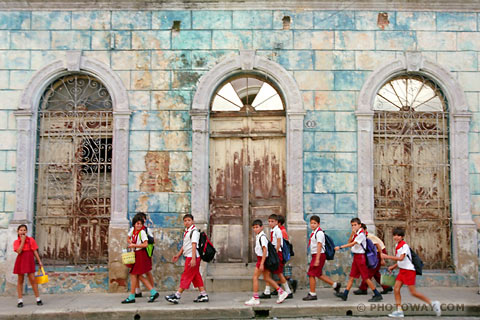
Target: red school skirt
143	263
24	263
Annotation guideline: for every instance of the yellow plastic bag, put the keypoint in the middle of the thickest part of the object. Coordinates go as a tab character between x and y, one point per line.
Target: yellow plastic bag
128	257
41	277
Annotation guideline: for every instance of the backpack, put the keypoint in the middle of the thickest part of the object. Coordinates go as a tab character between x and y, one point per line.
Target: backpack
150	241
272	262
287	250
416	261
205	247
329	247
371	257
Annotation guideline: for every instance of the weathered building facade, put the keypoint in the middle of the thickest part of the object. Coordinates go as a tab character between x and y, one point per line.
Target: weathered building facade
233	112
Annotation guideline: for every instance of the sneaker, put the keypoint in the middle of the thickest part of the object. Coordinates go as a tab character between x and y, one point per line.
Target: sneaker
282	296
138	295
154	297
387	290
172	298
274	293
396	314
39	303
309	297
128	301
342	296
294	284
436	308
20	305
265	296
201	298
252	302
290	296
360	292
376	298
337	287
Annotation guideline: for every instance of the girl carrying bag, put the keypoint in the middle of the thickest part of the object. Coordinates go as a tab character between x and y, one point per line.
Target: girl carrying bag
41	277
128	258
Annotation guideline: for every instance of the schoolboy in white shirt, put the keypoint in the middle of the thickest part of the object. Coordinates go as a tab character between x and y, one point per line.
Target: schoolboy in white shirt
407	274
359	264
261	250
191	273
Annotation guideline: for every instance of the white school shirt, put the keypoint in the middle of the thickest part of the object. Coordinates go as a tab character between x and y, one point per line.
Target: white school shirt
149	231
405	263
277	233
261	241
187	242
142	237
360	240
318	236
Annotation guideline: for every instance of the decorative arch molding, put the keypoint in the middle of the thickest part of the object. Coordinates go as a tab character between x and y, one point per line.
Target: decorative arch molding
248	61
463	226
26	117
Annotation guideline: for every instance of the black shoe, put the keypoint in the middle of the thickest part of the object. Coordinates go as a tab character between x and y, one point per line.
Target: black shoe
360	292
387	290
39	303
309	297
337	288
154	297
20	305
376	298
274	293
294	284
201	298
138	295
290	296
342	296
128	301
172	298
265	296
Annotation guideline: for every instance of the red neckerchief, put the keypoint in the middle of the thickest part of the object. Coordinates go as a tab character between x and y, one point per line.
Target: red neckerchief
399	245
356	234
311	235
135	235
188	229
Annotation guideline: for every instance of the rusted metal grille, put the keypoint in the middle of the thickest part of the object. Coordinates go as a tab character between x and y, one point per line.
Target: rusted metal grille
74	165
412	168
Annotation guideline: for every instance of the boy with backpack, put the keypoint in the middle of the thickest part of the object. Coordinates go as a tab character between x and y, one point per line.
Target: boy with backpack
358	243
191	272
261	250
276	238
407	274
317	250
287	270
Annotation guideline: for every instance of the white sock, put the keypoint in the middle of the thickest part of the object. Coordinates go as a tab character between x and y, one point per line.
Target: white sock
38	299
313	294
137	290
334	285
20	300
267	290
286	287
399	309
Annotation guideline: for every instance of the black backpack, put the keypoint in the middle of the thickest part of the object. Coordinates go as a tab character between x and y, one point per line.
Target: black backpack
329	247
205	247
272	262
416	261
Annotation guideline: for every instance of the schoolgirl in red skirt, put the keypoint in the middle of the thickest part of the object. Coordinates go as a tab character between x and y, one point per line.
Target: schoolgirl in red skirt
138	240
26	248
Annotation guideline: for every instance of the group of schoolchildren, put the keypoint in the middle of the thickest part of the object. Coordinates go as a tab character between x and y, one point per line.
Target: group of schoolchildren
140	271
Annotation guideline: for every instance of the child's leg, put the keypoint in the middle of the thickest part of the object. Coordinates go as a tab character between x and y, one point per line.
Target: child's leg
145	282
21	278
313	284
350	283
418	295
33	283
150	278
134	280
370	284
256	275
268	280
396	293
326	279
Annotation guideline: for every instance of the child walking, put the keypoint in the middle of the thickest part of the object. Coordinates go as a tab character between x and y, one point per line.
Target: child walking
191	271
26	248
359	266
138	240
276	238
317	250
407	274
287	270
261	243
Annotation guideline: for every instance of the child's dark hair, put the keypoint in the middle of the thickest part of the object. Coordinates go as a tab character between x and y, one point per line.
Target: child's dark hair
356	220
142	214
137	218
398	232
315	218
22	226
281	220
273	217
364	226
257	223
188	215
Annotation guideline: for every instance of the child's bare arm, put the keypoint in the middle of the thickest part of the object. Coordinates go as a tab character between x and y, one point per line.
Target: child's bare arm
279	244
386	256
348	245
22	243
264	257
37	256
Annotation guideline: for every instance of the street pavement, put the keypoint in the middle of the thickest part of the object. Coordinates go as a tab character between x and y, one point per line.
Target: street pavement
456	302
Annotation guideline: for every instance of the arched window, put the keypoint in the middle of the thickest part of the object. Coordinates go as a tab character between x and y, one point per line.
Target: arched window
74	171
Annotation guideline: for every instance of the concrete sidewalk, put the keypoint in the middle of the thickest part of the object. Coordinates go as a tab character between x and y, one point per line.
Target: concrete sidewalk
230	305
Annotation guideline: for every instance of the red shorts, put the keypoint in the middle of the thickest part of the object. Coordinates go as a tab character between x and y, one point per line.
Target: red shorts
259	260
359	267
407	277
316	271
280	266
191	275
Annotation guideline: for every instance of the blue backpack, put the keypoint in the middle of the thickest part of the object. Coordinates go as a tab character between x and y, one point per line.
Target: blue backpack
287	250
329	246
371	254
